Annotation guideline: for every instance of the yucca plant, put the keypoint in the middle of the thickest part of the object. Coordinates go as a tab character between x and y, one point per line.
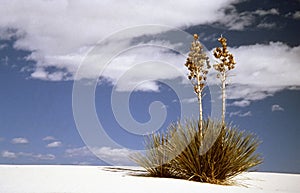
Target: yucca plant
156	159
231	153
189	163
205	151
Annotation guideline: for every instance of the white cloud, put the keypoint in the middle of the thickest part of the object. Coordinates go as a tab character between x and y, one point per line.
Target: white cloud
77	152
54	144
49	138
116	155
37	156
296	15
8	154
119	156
13	155
239	21
189	100
267	25
66	30
2	46
136	67
5	60
81	163
276	108
19	140
261	12
40	73
240	114
78	23
262	70
44	156
258	74
241	103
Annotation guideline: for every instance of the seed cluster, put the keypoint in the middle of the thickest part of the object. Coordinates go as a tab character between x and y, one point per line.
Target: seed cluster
227	60
198	65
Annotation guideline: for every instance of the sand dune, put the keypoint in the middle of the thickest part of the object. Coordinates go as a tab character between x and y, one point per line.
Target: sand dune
104	179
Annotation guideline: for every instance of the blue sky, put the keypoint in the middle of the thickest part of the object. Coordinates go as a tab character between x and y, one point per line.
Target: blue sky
77	78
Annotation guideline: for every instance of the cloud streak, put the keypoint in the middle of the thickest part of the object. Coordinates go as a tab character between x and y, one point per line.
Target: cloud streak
9	154
276	108
54	144
240	21
19	140
14	155
240	103
240	114
49	138
296	15
116	155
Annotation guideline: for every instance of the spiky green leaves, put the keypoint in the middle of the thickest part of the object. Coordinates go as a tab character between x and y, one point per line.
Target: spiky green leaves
232	153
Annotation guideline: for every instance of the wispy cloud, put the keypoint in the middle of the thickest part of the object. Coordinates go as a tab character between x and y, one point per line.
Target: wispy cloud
189	100
44	156
296	15
49	138
19	140
79	151
36	156
240	114
84	163
5	61
266	25
15	155
241	103
119	156
239	21
262	12
54	144
115	155
9	154
276	107
2	46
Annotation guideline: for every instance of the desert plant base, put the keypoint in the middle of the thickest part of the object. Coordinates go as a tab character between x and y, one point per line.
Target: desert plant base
232	153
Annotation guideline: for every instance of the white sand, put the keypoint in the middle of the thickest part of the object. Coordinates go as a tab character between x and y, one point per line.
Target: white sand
89	179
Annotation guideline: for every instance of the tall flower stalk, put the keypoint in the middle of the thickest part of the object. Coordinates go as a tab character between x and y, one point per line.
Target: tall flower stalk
198	65
225	64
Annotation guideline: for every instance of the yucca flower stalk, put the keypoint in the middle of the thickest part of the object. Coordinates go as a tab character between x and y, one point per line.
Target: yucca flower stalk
226	63
198	65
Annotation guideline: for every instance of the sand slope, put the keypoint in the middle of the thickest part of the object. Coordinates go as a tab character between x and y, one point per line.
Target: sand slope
89	179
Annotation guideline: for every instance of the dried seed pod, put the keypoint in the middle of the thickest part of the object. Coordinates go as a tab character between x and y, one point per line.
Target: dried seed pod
226	63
